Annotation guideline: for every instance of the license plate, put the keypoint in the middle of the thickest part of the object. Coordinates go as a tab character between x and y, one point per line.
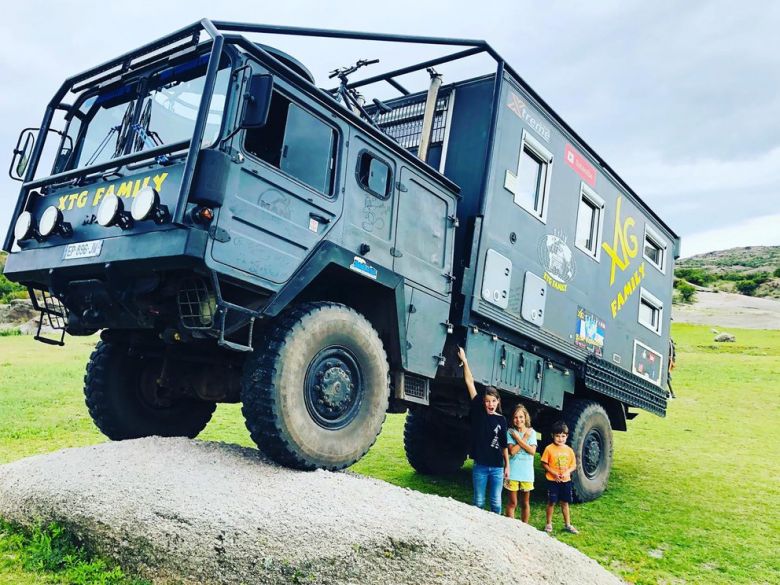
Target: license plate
83	250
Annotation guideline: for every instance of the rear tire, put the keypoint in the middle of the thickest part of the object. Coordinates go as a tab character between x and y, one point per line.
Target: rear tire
316	393
590	436
431	447
125	402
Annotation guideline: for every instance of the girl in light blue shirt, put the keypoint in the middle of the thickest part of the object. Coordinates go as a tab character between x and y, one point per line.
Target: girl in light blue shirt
521	443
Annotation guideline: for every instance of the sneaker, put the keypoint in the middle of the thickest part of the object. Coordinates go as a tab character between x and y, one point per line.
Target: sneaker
548	528
570	529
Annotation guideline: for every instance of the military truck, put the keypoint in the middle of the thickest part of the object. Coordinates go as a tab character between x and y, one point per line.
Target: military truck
240	234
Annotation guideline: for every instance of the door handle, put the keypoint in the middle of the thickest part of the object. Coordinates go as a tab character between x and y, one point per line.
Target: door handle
319	218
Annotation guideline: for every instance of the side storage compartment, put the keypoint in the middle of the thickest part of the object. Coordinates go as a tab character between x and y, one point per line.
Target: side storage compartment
513	370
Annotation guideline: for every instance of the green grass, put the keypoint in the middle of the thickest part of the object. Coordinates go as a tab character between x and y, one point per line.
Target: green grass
693	497
52	555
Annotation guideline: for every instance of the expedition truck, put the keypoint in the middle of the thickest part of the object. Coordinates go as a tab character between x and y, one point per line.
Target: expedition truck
240	234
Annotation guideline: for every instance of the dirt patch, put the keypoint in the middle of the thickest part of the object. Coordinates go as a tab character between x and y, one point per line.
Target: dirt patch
175	509
729	310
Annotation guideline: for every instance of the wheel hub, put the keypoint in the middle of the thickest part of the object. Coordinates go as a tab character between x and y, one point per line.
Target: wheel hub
333	387
591	453
337	388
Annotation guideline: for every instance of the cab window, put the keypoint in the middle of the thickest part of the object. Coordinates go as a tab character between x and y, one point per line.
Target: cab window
296	142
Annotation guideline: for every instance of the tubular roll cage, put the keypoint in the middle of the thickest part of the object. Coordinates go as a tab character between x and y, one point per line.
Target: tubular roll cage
221	32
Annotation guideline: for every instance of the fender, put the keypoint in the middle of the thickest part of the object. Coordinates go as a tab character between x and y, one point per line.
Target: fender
327	256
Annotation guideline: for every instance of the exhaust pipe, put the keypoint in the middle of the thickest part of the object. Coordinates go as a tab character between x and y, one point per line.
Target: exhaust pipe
430	110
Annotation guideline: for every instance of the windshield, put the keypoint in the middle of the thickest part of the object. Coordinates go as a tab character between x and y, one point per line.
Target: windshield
154	111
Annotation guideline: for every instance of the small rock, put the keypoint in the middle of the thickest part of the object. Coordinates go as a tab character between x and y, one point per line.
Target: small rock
725	337
656	553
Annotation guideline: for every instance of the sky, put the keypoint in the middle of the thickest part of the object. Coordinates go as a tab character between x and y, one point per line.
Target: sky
679	97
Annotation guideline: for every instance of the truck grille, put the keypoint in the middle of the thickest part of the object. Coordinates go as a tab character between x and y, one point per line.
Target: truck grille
405	122
416	389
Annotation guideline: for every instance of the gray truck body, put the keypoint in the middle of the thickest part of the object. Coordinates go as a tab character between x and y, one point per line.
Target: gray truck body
512	237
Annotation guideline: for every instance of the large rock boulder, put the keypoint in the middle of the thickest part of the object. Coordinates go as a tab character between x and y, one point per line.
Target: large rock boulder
18	311
195	512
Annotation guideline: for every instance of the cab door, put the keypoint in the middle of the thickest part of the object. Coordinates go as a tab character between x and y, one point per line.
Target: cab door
283	199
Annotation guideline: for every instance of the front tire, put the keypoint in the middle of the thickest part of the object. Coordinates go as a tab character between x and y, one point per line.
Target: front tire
125	401
315	395
431	447
590	436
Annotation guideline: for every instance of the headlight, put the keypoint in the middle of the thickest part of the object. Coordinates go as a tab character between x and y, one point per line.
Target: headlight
144	203
24	226
109	210
50	219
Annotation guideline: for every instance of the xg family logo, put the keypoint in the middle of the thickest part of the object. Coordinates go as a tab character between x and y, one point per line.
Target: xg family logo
624	248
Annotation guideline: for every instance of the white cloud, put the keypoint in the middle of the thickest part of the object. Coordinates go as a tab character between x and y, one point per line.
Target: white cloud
758	231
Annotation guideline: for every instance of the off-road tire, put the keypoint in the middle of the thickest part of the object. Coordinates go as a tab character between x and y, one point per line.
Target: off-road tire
590	436
114	396
431	447
276	388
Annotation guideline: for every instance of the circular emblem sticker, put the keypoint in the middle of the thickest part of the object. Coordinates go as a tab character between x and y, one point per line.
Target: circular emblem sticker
558	261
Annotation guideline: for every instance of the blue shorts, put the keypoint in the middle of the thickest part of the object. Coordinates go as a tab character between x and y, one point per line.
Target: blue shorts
559	492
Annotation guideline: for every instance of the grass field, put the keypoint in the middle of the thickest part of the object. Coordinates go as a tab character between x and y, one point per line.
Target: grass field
693	497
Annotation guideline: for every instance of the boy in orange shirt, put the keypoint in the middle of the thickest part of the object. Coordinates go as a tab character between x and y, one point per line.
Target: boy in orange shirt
559	462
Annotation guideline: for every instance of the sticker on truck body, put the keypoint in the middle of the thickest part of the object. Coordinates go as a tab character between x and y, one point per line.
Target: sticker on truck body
363	267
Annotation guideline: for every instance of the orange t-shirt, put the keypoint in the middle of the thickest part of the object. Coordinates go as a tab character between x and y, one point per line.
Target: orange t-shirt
560	459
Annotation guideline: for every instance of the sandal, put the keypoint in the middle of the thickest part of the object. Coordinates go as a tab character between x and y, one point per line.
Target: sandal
548	528
570	529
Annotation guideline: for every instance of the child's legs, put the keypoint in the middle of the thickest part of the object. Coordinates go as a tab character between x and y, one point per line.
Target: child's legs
525	506
495	486
565	512
479	477
511	503
549	512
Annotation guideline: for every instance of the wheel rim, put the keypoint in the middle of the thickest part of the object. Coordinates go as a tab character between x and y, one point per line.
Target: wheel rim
592	451
333	387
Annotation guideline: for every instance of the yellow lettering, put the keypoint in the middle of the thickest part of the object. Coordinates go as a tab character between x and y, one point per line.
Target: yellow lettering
642	269
620	301
628	289
109	190
613	305
624	244
125	189
72	199
82	200
98	194
63	199
137	187
158	181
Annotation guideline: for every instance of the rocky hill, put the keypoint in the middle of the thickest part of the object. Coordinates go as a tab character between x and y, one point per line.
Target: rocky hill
752	270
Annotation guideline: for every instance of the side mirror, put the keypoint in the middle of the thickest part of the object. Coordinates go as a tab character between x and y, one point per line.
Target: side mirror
257	101
21	156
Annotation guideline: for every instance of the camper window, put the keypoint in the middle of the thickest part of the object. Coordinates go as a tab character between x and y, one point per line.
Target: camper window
654	249
589	222
530	184
296	142
650	311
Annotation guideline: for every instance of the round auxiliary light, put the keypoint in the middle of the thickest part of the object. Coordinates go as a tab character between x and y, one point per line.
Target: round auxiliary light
24	226
144	203
108	210
50	219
